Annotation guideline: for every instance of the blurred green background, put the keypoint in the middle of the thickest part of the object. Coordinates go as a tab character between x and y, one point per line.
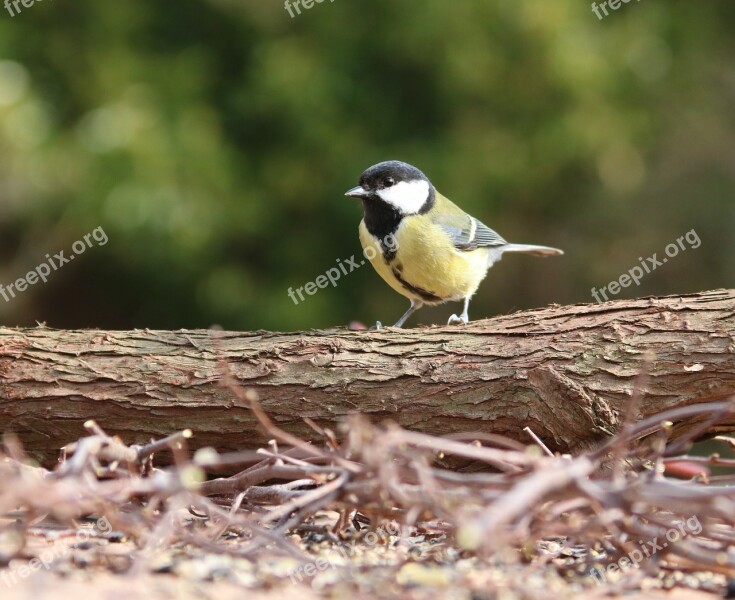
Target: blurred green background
213	142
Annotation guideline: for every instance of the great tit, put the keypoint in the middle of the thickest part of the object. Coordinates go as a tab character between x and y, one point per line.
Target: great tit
423	245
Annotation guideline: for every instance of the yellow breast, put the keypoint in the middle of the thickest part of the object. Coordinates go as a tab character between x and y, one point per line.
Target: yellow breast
426	267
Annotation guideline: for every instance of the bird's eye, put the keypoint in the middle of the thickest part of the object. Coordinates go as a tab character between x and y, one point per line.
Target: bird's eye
389	182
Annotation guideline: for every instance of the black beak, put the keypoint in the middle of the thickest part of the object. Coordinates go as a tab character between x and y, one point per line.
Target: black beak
357	192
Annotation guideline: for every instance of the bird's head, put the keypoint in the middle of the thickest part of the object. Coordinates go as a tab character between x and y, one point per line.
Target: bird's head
397	184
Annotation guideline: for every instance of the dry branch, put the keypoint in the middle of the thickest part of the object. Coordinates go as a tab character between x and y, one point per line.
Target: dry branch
567	372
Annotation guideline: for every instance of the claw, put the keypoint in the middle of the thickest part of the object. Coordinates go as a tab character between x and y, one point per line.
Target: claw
378	325
455	320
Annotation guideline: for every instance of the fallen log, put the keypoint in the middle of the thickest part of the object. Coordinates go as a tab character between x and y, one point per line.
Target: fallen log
567	372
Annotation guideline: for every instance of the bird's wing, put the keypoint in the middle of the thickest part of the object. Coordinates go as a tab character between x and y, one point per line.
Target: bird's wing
466	232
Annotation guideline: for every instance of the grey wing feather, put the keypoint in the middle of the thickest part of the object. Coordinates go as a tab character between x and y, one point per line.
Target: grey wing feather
486	236
472	235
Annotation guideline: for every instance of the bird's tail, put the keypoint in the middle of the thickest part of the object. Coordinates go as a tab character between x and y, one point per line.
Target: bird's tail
497	253
530	249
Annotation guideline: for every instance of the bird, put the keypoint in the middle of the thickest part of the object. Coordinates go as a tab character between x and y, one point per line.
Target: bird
422	244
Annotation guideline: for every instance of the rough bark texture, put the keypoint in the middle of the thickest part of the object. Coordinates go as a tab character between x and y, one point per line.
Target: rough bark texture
567	372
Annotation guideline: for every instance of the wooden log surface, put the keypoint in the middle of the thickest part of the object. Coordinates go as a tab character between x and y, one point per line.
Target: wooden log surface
568	372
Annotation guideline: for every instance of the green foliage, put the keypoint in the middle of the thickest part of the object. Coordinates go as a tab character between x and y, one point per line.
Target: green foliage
213	141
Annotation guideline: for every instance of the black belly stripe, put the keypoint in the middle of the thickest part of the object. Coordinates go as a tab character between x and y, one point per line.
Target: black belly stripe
422	293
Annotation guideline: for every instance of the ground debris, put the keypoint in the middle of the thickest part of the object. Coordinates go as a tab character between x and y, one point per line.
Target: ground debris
374	514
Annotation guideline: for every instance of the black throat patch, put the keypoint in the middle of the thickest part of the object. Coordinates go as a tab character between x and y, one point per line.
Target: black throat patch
381	220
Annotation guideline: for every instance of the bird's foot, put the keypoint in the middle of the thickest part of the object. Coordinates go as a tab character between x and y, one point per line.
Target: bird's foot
458	320
378	325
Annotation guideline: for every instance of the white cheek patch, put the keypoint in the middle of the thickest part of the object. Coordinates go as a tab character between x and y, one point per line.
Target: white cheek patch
406	196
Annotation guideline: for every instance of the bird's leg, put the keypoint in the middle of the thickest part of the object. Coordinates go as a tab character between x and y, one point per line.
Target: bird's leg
464	318
414	307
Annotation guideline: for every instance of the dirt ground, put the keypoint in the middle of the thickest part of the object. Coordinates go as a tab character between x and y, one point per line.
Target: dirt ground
167	586
367	566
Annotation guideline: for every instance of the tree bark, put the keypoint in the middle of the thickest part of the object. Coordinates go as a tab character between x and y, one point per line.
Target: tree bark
568	373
